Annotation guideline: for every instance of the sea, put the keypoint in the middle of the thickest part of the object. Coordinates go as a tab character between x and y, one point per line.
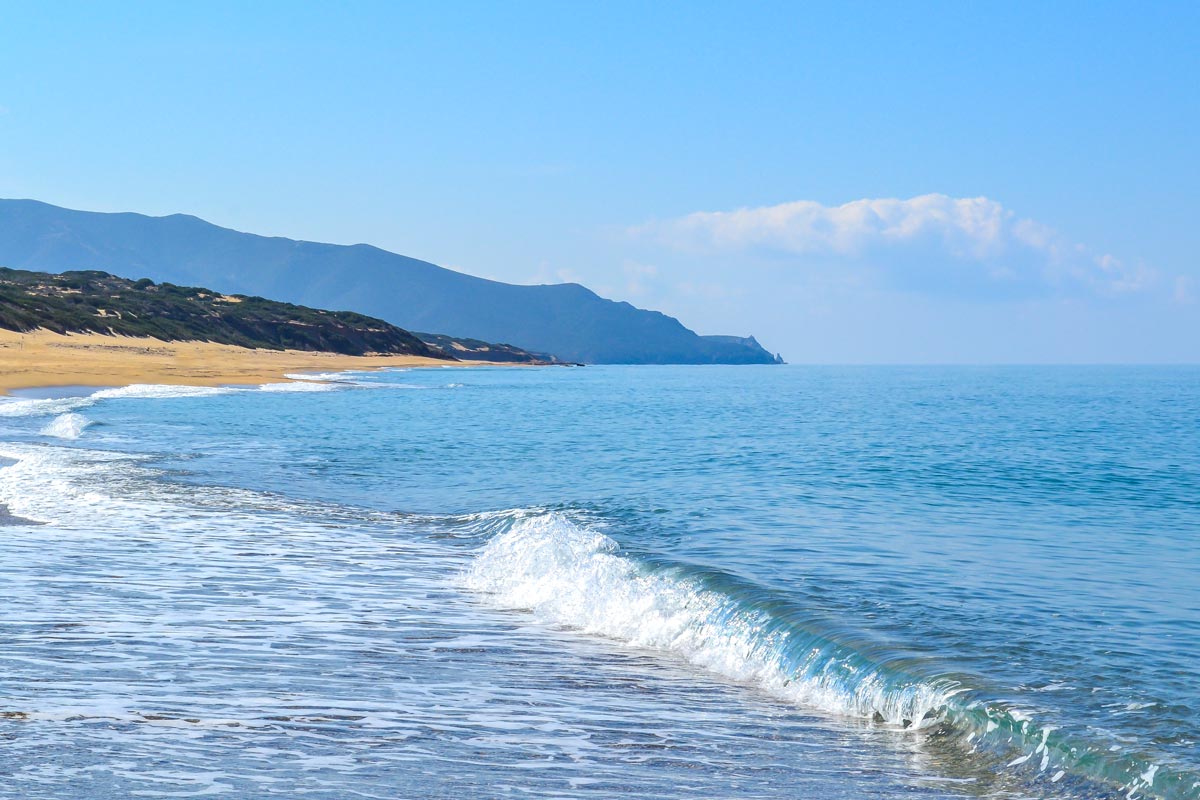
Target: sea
606	582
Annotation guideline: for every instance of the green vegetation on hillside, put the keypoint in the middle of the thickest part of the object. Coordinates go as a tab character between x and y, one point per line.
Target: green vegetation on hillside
477	350
76	302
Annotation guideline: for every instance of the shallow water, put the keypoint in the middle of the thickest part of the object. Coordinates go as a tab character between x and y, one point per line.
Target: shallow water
661	582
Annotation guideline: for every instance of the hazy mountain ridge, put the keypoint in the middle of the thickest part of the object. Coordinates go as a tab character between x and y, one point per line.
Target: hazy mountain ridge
568	320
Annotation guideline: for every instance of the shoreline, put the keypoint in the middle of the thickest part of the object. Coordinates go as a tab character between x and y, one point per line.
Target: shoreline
43	359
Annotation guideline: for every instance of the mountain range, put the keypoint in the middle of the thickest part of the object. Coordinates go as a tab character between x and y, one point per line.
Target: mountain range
566	320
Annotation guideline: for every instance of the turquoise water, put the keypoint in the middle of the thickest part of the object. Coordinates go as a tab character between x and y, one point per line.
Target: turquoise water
644	582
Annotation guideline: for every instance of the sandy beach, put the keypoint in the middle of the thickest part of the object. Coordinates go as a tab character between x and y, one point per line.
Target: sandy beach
42	358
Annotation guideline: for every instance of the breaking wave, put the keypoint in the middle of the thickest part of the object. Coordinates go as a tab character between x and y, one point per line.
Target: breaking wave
67	426
40	407
572	577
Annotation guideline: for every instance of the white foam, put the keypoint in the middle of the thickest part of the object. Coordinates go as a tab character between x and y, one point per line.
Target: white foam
578	579
318	376
42	407
57	484
67	426
155	391
61	405
302	382
299	386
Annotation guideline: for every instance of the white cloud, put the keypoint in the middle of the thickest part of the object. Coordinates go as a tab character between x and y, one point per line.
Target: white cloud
548	273
641	278
932	242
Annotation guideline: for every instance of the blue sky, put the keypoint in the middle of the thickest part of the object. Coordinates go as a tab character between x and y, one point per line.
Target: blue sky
953	182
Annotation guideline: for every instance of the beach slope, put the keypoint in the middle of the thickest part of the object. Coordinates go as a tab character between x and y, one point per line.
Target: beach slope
44	358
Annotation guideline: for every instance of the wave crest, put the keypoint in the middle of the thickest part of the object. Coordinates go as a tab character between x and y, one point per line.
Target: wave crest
580	579
67	426
577	578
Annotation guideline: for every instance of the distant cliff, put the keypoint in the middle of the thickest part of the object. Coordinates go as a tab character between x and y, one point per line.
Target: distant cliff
567	320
